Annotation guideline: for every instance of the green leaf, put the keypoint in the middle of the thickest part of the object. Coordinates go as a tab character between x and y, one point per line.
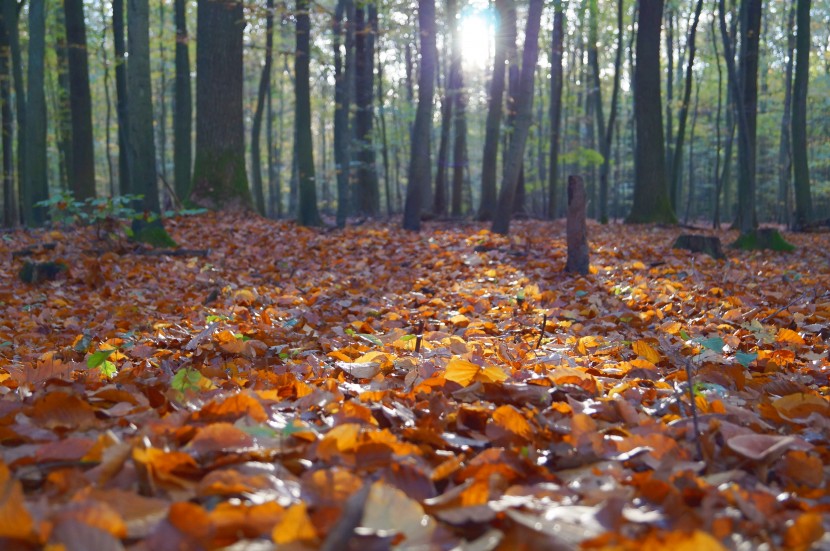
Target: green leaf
370	338
745	358
684	335
108	369
715	344
408	337
98	358
186	379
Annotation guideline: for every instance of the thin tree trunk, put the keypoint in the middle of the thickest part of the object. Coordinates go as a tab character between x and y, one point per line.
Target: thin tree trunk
690	183
256	126
784	148
418	184
11	14
669	42
183	107
801	169
555	107
9	203
677	155
307	213
162	92
119	42
342	101
459	99
63	127
440	196
108	114
524	114
387	182
367	199
718	181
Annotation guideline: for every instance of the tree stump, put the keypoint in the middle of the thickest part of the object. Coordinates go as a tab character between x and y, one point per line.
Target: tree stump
577	235
763	239
700	244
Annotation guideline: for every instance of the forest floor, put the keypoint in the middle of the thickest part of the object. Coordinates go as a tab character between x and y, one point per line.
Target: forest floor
370	388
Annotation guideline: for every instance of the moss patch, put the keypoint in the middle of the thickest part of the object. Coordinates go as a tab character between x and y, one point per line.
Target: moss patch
220	181
152	233
763	239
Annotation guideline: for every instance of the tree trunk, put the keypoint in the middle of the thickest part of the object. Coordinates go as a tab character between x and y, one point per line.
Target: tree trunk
459	99
342	101
801	170
440	196
82	175
9	202
669	40
307	213
63	127
747	79
142	160
379	96
161	95
677	155
119	42
35	187
368	192
219	178
555	106
524	114
784	148
577	234
108	116
11	15
419	163
183	108
256	126
651	197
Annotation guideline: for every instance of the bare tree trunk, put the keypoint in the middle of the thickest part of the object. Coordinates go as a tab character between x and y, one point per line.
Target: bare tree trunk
162	93
256	126
9	202
307	213
183	108
35	187
108	117
121	101
342	101
555	107
801	169
784	148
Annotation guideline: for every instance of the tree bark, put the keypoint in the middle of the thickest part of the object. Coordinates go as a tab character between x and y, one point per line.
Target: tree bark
82	175
342	101
256	126
307	213
9	202
35	187
419	163
577	233
11	15
784	146
651	197
555	107
801	169
121	102
524	112
459	99
108	109
183	108
368	191
219	178
142	151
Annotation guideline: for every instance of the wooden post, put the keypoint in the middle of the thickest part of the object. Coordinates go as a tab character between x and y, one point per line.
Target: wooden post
576	231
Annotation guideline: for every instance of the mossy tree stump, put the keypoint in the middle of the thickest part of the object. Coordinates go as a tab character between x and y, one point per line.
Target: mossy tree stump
763	239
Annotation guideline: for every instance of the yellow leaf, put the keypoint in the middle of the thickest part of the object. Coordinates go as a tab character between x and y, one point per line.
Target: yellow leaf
788	335
461	371
295	525
510	419
671	327
460	320
804	532
587	342
644	350
491	374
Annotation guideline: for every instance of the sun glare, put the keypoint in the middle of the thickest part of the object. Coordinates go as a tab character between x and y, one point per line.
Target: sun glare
476	39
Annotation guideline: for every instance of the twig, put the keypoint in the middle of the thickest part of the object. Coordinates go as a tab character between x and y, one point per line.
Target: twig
542	332
677	357
419	332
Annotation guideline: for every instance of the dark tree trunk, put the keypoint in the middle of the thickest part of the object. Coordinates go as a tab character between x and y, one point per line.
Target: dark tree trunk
219	178
459	99
142	160
419	163
440	196
183	108
307	213
784	148
801	170
669	136
256	126
368	192
82	175
161	95
9	203
119	42
524	113
718	182
11	15
108	109
379	96
747	79
35	187
677	155
342	101
63	126
555	107
651	197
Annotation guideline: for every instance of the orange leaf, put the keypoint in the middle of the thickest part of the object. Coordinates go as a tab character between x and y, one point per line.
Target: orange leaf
800	406
295	525
788	335
461	371
510	419
645	350
804	532
15	521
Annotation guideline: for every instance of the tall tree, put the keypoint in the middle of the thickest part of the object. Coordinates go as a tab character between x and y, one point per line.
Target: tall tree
11	17
183	107
367	196
459	99
62	116
120	45
784	145
256	127
417	188
142	151
651	194
523	114
307	213
35	187
6	125
82	175
556	105
219	178
495	112
801	170
343	84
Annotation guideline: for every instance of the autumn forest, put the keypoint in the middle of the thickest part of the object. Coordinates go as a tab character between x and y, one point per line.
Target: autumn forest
414	274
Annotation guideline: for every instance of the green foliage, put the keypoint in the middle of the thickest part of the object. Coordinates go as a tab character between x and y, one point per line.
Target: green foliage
584	156
763	239
186	379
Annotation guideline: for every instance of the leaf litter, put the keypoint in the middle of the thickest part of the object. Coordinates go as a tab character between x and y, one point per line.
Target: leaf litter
369	388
